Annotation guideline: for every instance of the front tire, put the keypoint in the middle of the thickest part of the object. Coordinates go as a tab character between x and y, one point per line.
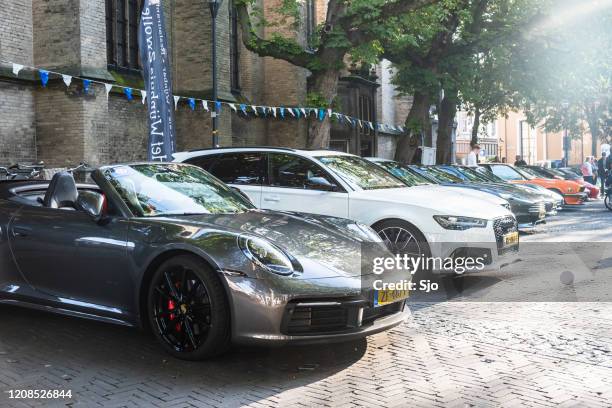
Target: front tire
607	202
188	309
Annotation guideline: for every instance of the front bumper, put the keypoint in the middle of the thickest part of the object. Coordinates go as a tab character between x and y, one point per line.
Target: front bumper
476	242
575	199
306	312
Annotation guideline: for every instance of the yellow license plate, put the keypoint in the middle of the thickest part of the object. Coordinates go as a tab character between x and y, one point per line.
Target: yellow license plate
386	297
542	214
511	239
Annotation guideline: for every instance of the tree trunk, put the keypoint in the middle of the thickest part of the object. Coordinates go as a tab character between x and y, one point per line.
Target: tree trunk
418	121
446	121
593	122
476	127
324	84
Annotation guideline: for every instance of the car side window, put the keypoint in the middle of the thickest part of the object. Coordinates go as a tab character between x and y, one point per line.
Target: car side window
291	171
203	162
234	168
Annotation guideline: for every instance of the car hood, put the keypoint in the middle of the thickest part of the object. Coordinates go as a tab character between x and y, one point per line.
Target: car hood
324	246
437	199
513	190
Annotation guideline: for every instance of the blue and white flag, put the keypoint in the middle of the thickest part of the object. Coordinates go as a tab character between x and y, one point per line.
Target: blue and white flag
158	81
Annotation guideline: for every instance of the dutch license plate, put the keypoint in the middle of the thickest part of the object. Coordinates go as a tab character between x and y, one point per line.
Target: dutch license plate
542	214
511	239
386	297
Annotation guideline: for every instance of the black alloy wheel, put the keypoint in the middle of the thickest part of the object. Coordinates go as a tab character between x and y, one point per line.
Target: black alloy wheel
188	310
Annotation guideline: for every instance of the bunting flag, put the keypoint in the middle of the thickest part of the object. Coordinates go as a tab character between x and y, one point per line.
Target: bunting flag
128	93
108	88
321	115
17	68
260	111
44	77
67	79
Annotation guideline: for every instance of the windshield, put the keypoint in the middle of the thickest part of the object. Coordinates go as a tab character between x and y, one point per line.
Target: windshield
405	174
525	173
361	172
455	172
153	190
487	175
440	176
508	173
473	174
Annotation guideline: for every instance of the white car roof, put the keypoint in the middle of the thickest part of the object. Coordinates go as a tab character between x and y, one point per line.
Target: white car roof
182	156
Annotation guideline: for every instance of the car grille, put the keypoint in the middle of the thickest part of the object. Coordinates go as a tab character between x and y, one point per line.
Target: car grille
312	319
503	226
537	208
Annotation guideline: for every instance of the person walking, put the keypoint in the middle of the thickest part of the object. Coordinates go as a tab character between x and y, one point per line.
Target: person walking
472	158
601	172
587	171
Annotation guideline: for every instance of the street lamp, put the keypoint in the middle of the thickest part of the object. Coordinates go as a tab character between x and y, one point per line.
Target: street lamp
214	5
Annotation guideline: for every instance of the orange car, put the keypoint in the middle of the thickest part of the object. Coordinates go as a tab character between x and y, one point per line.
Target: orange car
572	192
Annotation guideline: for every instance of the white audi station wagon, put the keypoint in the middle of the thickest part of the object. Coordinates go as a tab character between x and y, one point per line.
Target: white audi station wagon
415	220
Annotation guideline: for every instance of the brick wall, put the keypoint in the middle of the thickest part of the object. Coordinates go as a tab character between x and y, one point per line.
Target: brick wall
17	118
64	127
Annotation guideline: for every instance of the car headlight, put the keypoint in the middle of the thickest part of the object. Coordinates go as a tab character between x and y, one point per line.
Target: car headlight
451	222
266	255
365	232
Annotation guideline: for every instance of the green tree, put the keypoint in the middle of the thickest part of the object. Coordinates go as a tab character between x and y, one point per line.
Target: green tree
351	31
466	53
571	55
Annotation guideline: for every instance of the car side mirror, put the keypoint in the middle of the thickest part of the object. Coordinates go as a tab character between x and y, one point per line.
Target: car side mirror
322	183
93	204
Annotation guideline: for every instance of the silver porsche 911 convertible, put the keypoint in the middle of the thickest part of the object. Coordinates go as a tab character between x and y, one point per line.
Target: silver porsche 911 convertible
170	247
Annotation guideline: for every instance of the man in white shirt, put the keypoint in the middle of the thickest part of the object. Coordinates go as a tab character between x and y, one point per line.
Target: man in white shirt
472	158
587	171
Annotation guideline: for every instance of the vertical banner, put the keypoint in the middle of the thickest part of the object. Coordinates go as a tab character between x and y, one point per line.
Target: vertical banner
158	81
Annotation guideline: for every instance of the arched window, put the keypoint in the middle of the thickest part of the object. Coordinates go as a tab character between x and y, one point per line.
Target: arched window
122	19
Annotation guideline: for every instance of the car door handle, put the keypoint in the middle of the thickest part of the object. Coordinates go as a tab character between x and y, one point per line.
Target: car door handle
272	199
21	232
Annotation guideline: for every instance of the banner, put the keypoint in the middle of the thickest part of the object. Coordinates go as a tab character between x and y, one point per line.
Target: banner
158	81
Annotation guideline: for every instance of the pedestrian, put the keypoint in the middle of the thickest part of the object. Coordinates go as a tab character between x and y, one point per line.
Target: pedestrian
519	161
472	158
587	171
594	167
601	172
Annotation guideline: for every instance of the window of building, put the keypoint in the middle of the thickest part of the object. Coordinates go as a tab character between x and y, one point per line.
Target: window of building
311	22
122	20
234	49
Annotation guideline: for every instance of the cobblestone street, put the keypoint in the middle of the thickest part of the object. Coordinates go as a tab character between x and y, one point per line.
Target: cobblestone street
453	353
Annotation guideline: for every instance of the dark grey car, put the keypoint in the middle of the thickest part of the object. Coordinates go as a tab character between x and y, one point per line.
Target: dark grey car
171	247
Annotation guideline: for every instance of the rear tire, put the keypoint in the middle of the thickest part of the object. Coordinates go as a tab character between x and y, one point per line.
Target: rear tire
188	309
